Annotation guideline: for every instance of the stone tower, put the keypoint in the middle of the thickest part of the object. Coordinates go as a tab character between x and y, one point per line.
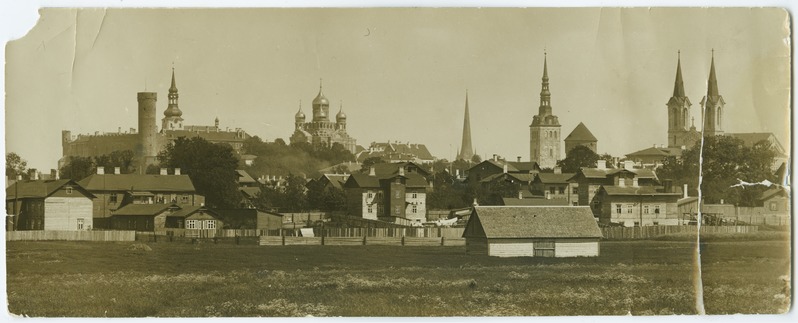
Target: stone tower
466	151
148	129
712	104
678	112
172	119
544	132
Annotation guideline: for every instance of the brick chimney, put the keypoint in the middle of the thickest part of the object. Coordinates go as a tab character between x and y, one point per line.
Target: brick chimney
100	170
117	170
504	168
372	172
518	158
684	191
177	171
163	171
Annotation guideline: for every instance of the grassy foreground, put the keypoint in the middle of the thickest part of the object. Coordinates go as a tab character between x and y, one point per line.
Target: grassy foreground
180	279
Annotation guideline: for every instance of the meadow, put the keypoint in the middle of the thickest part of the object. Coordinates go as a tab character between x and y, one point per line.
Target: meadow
218	280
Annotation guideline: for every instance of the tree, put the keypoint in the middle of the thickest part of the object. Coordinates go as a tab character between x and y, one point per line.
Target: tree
294	199
725	160
120	158
476	159
368	162
77	168
15	165
579	156
211	167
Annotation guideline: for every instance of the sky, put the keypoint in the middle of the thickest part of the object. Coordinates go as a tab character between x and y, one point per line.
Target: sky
401	74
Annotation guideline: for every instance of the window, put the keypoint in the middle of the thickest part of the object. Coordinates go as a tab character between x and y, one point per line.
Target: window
210	224
645	209
397	210
370	210
551	190
415	195
562	190
414	209
618	208
398	194
656	209
191	224
629	208
370	194
575	204
543	248
112	198
80	224
69	190
576	190
184	199
774	206
637	224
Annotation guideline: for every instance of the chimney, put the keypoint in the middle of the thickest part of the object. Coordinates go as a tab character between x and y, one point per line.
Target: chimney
457	173
495	157
628	164
621	181
518	158
119	130
684	191
634	182
163	171
132	130
117	170
721	201
372	172
100	170
504	168
54	174
557	170
401	171
601	164
475	202
177	171
520	195
668	185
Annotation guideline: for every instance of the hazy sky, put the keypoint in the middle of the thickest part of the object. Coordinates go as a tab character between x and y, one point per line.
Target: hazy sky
402	74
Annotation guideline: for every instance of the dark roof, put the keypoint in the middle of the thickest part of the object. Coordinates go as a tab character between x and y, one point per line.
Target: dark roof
604	173
390	169
186	210
40	188
639	190
212	136
773	191
512	167
250	192
535	222
243	212
143	209
551	178
524	166
512	201
648	152
126	182
366	181
752	138
244	177
581	133
521	177
336	180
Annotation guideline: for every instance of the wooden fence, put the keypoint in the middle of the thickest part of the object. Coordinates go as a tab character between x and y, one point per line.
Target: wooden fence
71	235
359	241
623	233
373	232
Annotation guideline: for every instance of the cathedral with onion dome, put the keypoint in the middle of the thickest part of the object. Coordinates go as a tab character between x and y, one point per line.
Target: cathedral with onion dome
320	130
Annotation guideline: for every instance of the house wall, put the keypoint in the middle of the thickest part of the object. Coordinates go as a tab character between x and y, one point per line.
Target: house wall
638	210
511	248
419	214
103	205
476	246
396	201
68	213
133	222
576	248
269	221
30	213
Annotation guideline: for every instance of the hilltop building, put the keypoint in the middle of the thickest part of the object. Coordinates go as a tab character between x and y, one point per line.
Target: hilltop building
466	150
320	130
147	142
395	152
544	132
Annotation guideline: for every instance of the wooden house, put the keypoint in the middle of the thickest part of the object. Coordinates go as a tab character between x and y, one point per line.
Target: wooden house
49	205
532	231
243	218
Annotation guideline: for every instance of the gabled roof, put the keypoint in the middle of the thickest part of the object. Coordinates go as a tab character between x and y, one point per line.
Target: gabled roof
198	213
336	180
524	166
512	167
250	192
366	181
581	133
521	177
143	209
535	222
41	188
642	173
774	191
187	210
551	178
752	138
512	201
244	177
138	182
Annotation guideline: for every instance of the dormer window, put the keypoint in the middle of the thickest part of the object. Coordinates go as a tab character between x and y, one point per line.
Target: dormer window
69	190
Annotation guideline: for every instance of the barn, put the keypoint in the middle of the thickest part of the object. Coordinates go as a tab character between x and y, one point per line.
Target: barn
532	231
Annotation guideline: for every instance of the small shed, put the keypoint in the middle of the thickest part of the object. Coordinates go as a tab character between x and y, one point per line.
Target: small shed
532	231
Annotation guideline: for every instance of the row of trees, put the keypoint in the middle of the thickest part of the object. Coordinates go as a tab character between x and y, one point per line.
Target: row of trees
278	158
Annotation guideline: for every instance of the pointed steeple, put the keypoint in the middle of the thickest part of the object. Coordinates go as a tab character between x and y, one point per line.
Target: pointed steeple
172	110
712	91
678	86
466	151
545	95
173	88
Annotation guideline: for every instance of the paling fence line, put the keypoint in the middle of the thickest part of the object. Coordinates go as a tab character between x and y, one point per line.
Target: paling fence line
660	230
71	235
359	241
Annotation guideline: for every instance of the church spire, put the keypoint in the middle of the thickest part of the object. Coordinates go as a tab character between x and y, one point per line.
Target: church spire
172	110
712	92
466	151
545	95
173	88
678	86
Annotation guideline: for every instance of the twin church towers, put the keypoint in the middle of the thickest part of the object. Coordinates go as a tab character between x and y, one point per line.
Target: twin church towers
545	131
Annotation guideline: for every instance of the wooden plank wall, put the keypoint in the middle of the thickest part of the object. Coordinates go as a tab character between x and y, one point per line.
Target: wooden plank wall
71	235
623	233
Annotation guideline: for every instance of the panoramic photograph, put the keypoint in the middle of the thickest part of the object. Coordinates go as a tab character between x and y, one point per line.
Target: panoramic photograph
398	162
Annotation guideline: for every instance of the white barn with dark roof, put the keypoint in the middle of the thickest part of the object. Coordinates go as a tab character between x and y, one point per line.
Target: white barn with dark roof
532	231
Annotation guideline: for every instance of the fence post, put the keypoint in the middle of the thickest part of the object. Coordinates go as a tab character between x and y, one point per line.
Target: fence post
283	239
442	238
403	240
364	239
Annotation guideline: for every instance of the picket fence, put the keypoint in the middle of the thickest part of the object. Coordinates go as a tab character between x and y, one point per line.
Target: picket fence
70	235
359	241
646	232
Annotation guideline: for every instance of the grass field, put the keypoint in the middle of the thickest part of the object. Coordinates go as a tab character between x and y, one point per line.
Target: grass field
181	279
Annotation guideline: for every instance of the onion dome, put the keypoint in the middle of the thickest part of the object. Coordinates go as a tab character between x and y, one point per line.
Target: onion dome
341	116
320	99
300	116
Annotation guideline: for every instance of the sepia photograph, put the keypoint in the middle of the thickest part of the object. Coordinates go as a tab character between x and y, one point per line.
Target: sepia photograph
399	162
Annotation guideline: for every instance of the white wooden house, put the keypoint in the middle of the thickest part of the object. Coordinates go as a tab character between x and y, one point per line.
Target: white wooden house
59	204
532	231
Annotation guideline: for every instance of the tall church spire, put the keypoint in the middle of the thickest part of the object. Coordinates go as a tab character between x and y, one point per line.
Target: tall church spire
712	91
545	95
713	104
678	86
466	151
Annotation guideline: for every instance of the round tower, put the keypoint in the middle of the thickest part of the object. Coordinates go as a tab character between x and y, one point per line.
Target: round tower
147	127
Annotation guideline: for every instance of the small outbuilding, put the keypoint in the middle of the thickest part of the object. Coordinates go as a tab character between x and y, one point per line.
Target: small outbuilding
532	231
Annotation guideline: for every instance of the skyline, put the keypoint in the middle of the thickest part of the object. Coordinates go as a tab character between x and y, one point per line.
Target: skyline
412	66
